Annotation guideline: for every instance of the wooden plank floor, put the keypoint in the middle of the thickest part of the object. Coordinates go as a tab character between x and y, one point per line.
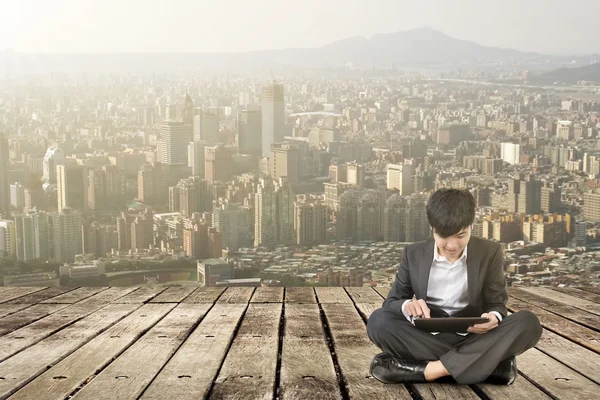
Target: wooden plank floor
256	343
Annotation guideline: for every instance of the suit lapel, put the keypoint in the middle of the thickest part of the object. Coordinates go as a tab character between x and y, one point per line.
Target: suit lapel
425	269
472	272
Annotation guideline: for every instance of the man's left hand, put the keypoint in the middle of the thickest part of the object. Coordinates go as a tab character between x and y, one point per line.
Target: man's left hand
485	327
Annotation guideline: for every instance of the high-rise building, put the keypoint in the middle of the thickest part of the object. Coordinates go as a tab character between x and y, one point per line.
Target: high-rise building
195	240
152	184
551	198
210	126
510	153
186	110
106	188
310	222
191	195
399	176
591	206
338	173
333	192
175	137
249	131
405	219
370	215
196	159
67	236
530	196
273	114
274	215
54	156
4	180
355	174
284	162
17	196
135	230
453	134
347	214
551	230
233	222
33	235
8	239
218	164
72	187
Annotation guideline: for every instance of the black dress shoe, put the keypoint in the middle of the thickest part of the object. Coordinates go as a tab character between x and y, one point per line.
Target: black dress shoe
388	369
505	373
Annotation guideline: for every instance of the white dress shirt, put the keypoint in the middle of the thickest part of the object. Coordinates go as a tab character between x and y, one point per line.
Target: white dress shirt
447	287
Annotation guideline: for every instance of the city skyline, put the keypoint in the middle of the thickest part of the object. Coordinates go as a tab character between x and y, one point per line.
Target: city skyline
67	26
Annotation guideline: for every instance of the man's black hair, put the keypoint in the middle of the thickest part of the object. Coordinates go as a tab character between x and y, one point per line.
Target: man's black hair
450	210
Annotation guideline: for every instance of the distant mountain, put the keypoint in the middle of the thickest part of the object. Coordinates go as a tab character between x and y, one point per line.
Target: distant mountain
589	73
421	48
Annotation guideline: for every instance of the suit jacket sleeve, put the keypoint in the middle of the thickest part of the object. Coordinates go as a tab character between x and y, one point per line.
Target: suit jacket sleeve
494	291
401	289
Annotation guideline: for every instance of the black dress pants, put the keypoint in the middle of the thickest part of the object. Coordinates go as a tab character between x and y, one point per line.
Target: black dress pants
469	359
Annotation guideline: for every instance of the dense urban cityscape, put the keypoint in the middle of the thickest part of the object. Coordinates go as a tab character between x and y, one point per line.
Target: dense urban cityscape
234	179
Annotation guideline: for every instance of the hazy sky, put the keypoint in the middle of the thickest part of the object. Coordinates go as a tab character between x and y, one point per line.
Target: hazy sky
548	26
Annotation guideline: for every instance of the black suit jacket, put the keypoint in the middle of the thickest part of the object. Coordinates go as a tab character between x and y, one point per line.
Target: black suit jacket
485	278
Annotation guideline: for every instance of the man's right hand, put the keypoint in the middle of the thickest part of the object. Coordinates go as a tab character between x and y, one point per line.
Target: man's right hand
417	308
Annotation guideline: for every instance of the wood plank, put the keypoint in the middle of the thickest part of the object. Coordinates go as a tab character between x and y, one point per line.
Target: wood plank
74	296
67	375
442	391
239	295
562	326
15	292
301	295
191	371
364	295
39	296
8	309
23	367
595	290
382	290
556	378
303	377
565	299
27	336
335	295
520	389
582	294
249	369
28	315
206	294
354	352
142	295
582	360
555	307
174	294
132	371
267	295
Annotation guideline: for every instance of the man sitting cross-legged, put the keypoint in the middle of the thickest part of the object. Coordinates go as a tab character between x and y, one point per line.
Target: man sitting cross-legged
453	274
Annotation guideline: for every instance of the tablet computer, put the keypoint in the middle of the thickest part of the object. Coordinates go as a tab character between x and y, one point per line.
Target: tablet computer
450	324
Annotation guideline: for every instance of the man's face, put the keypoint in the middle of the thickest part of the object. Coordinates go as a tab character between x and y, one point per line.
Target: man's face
452	247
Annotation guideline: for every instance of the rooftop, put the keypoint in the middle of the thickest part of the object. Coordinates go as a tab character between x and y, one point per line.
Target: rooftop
157	342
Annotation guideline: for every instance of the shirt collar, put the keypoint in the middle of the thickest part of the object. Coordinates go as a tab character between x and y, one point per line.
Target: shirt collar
438	257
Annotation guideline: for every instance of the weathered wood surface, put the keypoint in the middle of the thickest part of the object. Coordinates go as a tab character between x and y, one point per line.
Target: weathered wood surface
246	343
267	295
191	371
578	293
557	297
301	295
29	363
11	293
132	371
173	294
302	376
204	295
249	369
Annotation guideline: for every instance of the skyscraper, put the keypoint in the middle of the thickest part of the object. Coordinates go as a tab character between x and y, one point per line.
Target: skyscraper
284	162
310	222
249	130
206	125
399	176
274	215
196	159
33	235
4	183
272	116
54	156
218	164
233	222
355	174
530	196
175	137
7	238
72	187
67	235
